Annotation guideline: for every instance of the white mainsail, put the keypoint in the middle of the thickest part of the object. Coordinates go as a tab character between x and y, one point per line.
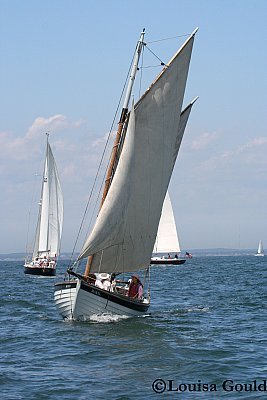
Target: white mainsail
125	230
167	238
260	249
50	219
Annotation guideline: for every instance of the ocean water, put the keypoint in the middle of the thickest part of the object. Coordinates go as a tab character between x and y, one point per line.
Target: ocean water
205	337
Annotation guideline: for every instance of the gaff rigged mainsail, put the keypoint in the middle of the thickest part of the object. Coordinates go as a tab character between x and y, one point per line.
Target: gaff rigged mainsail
125	230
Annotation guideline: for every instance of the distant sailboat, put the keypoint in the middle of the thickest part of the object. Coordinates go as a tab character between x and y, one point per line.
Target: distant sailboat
260	252
50	221
140	167
167	238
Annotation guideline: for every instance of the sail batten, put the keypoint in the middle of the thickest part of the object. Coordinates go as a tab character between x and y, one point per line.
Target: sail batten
125	230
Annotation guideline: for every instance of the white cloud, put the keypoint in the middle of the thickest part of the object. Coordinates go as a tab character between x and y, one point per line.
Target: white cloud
253	144
41	124
102	140
22	148
204	140
245	159
252	151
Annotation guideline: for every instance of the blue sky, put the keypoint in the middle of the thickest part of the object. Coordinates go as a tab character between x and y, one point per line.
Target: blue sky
63	65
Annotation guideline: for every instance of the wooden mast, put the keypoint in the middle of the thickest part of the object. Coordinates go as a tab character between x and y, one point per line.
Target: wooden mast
122	120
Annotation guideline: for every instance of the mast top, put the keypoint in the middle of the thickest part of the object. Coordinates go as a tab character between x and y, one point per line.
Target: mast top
137	54
194	32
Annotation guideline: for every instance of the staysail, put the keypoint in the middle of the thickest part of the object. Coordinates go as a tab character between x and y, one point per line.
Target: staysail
50	219
125	230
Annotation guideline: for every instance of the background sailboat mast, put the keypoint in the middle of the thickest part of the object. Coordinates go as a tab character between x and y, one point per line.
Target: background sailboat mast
124	112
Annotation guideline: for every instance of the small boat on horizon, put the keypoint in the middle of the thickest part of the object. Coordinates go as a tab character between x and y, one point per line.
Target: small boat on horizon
49	224
260	252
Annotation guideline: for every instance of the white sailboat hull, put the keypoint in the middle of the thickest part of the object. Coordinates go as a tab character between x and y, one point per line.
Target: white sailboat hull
79	301
259	255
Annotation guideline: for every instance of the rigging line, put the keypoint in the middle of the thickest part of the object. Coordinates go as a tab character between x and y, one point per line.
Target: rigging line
100	165
162	63
112	125
122	93
141	71
88	202
169	38
153	66
105	173
29	246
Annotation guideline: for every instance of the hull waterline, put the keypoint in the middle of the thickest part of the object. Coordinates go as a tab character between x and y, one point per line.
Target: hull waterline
167	262
43	271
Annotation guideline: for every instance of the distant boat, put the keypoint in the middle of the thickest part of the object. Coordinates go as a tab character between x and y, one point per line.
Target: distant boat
50	220
167	238
260	252
140	167
188	255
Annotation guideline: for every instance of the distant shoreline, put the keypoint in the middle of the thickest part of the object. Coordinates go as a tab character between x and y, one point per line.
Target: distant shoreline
195	252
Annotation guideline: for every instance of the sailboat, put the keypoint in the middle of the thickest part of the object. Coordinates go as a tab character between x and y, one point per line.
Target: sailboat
49	224
167	238
260	252
141	163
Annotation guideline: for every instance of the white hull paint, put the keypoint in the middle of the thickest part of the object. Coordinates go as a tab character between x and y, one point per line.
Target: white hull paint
65	299
80	304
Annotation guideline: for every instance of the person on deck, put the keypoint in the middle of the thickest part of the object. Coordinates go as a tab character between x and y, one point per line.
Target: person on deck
103	281
136	288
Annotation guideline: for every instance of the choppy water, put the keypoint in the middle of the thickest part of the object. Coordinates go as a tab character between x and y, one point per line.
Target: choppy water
208	324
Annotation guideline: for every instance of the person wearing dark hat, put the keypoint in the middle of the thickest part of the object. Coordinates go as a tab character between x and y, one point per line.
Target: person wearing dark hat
136	288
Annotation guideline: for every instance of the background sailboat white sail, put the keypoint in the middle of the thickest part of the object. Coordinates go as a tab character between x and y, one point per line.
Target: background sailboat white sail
50	219
167	238
260	250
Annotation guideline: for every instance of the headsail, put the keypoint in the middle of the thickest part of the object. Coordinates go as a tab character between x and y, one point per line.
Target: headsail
167	238
50	220
125	230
